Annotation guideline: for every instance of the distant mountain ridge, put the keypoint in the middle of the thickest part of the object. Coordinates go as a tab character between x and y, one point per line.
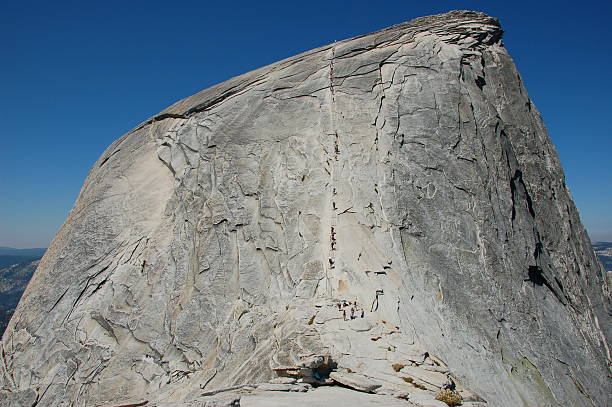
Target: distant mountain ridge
16	269
37	251
13	281
10	255
604	252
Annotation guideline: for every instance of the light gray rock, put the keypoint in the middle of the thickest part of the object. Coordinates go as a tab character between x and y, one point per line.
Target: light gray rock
427	401
25	398
283	380
360	325
197	256
300	387
437	379
468	396
220	401
355	381
230	401
322	397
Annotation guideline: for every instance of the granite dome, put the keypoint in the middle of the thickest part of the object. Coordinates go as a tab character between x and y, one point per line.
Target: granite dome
404	175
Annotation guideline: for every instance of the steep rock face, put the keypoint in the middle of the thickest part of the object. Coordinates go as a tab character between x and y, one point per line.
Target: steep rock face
406	171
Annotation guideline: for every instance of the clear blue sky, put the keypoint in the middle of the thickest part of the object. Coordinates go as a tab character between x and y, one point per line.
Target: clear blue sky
75	76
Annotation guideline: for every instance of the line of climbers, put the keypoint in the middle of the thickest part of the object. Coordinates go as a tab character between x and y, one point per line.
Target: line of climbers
353	309
333	238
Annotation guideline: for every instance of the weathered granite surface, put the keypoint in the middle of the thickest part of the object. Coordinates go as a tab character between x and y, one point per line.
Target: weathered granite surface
405	170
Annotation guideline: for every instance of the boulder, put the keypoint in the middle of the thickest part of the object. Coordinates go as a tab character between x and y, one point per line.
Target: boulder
425	399
355	381
437	379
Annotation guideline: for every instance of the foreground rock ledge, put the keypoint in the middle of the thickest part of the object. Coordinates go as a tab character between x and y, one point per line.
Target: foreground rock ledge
387	210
